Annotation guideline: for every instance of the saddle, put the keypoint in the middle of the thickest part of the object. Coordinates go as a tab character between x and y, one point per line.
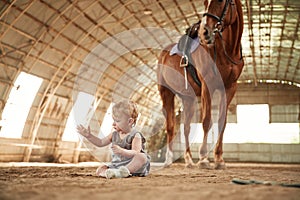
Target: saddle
184	45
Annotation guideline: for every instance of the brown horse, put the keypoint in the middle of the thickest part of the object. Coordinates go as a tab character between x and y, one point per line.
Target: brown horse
219	64
170	75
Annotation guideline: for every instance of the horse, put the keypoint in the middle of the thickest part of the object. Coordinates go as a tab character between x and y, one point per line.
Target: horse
218	62
171	83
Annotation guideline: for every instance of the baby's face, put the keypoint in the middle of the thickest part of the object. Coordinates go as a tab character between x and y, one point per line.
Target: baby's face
121	123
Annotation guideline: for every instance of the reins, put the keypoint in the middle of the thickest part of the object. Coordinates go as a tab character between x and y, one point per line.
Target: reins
226	54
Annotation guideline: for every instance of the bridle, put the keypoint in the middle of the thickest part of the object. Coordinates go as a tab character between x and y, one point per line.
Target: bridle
219	28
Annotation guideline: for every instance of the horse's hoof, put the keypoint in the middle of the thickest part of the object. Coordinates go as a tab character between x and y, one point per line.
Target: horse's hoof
166	165
220	165
189	165
204	164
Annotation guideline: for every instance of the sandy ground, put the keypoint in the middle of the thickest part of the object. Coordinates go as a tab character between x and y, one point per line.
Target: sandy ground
176	182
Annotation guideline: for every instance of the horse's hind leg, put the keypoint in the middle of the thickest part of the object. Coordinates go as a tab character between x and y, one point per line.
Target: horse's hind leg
167	97
206	124
188	109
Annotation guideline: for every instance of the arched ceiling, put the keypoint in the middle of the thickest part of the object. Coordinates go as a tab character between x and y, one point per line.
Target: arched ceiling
46	36
58	40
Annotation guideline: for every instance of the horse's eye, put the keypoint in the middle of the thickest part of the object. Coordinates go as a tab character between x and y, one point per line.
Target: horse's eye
220	1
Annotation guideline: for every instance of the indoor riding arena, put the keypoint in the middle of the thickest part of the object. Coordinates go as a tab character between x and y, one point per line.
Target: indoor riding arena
216	85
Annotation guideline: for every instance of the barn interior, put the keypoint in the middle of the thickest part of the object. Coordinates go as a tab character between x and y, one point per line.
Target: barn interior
65	62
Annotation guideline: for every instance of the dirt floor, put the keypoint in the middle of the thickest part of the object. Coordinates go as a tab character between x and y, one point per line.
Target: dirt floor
176	182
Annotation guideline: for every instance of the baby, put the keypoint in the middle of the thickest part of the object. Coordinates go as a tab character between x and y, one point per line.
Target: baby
129	157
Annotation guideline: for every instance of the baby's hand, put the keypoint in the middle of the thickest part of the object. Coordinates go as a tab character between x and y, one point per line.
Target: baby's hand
116	149
83	131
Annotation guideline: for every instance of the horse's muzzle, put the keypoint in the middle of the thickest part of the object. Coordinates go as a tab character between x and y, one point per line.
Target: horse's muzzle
207	35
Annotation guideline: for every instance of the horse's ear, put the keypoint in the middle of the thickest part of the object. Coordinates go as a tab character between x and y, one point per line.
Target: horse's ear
187	30
205	3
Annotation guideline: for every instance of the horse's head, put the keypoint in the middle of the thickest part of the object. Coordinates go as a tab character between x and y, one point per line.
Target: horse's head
218	15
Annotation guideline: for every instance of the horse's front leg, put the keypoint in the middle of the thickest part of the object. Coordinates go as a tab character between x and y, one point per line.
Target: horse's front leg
223	109
206	124
218	151
189	109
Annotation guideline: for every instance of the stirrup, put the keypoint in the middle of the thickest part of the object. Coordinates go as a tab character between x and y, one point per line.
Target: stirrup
184	61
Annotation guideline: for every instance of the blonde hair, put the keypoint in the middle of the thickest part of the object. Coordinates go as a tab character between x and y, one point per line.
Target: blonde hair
126	107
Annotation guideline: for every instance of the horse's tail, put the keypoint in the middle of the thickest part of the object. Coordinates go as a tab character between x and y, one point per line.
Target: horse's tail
161	62
162	57
164	53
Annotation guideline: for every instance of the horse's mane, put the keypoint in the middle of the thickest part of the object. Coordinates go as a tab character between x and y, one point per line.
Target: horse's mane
238	24
240	16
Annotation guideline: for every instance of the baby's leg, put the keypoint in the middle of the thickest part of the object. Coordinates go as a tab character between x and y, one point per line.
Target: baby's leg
106	172
137	162
101	170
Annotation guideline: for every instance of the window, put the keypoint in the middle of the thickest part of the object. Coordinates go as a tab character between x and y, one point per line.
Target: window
81	113
251	115
106	126
18	105
252	127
